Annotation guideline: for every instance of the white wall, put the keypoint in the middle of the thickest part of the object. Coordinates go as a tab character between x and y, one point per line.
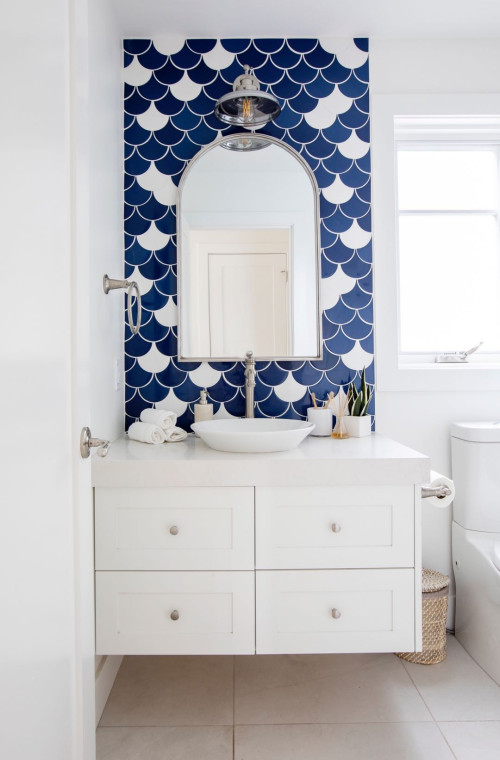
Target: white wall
421	419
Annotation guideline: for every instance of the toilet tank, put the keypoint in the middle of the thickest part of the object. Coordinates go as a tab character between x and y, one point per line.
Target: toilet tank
475	456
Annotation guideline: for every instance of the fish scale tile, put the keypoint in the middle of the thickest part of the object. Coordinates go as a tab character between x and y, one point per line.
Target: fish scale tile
181	89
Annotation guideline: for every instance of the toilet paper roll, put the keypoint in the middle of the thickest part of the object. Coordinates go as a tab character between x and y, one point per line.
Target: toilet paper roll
440	480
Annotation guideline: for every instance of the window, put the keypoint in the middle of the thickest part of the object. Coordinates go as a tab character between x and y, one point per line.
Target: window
448	241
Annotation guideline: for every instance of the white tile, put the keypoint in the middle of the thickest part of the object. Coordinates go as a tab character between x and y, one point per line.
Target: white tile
207	742
325	689
369	741
171	691
457	688
470	741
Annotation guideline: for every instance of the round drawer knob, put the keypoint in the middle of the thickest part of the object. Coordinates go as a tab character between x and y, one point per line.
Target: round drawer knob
336	527
174	530
336	613
174	615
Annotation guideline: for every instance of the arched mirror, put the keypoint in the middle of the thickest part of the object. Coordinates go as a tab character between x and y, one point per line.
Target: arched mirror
248	253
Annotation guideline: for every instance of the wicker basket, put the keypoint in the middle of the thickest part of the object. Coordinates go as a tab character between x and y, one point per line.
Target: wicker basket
434	611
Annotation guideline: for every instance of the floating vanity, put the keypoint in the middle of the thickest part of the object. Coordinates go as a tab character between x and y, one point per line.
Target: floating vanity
316	549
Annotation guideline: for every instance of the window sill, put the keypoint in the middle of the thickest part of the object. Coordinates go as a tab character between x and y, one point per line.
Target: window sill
433	377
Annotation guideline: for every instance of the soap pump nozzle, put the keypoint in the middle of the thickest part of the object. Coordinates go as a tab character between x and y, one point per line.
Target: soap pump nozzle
203	396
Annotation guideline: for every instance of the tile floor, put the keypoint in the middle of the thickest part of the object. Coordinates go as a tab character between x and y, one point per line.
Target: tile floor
301	707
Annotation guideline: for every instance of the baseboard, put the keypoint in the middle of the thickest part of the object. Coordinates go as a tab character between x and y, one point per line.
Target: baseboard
104	679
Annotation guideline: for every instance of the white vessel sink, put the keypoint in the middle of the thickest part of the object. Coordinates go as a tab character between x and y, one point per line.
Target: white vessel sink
252	435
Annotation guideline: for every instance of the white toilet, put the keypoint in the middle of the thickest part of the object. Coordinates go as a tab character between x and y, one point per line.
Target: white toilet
475	450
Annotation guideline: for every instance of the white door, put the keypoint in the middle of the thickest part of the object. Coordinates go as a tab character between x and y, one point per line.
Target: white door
248	304
46	636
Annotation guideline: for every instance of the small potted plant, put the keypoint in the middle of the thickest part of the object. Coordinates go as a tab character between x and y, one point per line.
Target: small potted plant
358	423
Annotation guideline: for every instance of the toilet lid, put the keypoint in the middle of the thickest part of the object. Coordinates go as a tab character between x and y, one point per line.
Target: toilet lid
495	554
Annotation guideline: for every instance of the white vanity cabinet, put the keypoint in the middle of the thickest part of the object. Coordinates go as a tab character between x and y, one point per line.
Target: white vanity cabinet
201	552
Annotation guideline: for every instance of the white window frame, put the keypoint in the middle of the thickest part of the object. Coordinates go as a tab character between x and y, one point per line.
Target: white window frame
423	373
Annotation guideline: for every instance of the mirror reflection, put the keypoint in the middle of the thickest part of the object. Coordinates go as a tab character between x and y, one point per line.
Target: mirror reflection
248	239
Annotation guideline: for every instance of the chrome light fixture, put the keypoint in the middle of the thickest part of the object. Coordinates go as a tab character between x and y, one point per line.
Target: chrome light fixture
247	106
244	142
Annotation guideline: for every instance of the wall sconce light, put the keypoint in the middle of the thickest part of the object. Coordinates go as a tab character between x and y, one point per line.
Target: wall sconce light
247	106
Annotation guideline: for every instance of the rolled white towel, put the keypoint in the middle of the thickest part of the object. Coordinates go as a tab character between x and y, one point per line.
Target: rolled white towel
146	432
161	417
175	434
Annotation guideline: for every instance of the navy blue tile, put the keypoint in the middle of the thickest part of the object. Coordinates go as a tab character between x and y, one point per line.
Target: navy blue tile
202	74
337	133
136	346
201	46
235	45
328	268
136	195
319	87
152	209
273	374
185	58
153	269
136	104
168	284
128	90
171	165
168	254
303	102
353	177
362	43
303	132
302	45
235	375
324	178
202	134
152	150
186	149
289	366
262	391
236	406
364	132
354	208
269	73
136	224
252	57
302	73
363	102
319	58
356	267
362	72
138	377
216	89
127	59
286	89
329	360
337	163
313	163
356	298
153	300
307	374
288	118
154	391
357	329
337	222
167	223
223	392
172	376
353	87
336	73
169	134
153	89
365	253
329	329
168	346
272	406
364	163
135	47
326	208
169	73
341	313
151	58
269	45
353	118
320	148
229	74
367	344
135	134
327	238
136	255
170	105
135	405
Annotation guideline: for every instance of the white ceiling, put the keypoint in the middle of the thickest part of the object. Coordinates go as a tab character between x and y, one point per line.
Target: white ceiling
450	19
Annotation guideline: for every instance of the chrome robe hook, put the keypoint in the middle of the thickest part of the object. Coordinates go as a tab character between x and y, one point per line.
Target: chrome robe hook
109	284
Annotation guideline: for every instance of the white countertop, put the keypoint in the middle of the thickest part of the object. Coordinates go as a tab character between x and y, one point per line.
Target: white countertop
373	460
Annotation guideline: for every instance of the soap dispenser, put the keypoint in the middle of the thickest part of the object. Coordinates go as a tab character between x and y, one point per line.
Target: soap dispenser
203	410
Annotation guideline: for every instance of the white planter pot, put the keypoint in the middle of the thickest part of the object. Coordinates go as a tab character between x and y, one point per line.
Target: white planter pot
357	427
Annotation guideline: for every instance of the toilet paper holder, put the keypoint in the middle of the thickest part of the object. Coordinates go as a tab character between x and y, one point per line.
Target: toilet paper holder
439	492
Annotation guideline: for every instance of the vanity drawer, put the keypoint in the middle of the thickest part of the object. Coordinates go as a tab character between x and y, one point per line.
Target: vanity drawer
312	611
329	527
175	613
174	528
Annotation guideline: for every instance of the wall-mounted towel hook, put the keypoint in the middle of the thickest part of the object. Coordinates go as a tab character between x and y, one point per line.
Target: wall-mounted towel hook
109	284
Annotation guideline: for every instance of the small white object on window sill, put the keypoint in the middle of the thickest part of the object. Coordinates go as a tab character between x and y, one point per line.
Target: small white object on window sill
457	357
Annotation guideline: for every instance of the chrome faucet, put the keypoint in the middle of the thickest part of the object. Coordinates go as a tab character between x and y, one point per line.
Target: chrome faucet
249	384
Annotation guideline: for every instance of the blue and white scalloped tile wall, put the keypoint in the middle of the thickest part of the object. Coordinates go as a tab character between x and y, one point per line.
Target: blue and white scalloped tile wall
171	87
